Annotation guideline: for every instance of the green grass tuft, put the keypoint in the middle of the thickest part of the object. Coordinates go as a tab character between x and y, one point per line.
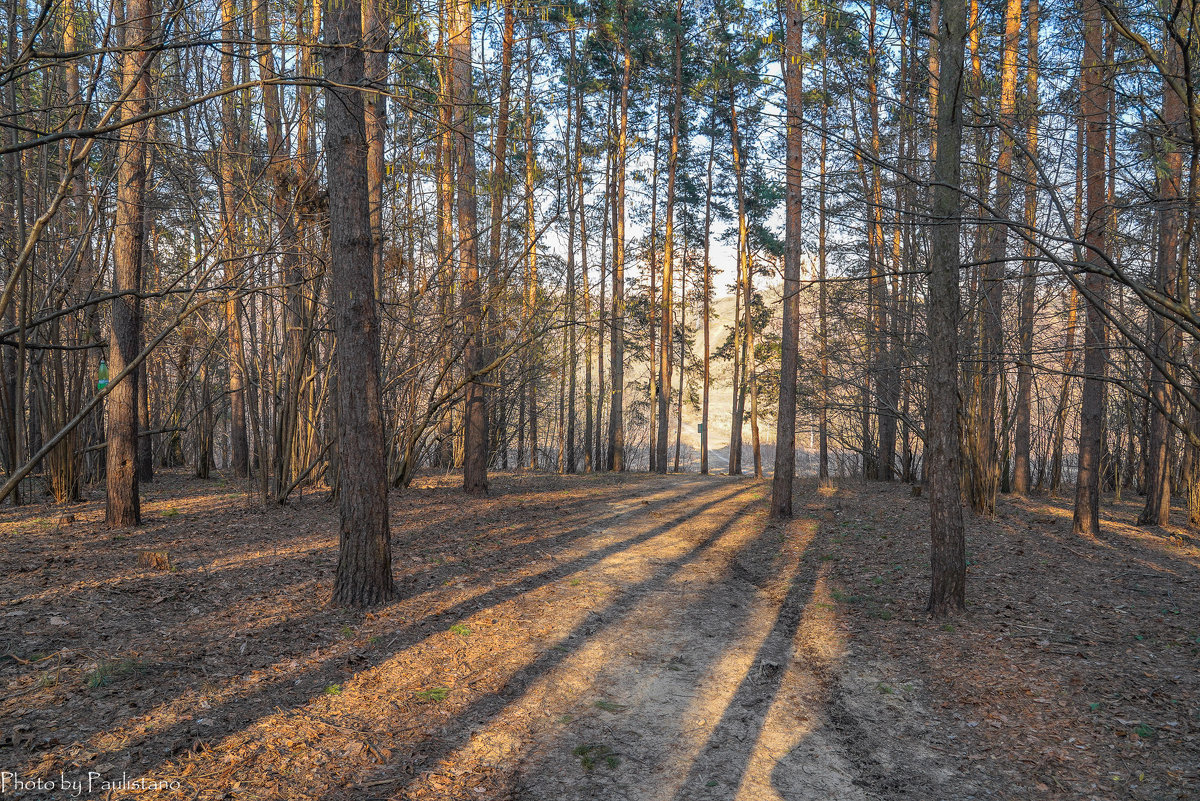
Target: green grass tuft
107	670
592	754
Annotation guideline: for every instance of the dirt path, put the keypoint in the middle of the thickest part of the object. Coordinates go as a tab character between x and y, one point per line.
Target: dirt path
703	669
594	637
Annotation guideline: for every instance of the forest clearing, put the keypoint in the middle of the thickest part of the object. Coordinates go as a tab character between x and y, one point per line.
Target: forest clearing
602	636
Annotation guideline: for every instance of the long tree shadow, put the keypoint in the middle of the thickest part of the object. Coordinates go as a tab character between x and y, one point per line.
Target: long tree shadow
677	667
1124	546
125	622
255	545
288	690
737	732
626	602
171	594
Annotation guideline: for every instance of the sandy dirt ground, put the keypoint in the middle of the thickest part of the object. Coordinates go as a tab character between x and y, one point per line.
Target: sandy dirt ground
596	637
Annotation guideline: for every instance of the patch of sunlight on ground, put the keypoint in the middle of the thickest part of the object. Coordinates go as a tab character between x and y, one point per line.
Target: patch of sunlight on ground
818	639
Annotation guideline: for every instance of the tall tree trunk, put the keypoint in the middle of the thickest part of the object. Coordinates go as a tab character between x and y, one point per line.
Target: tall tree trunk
822	289
229	157
364	569
122	502
533	362
981	134
706	300
823	346
571	364
83	225
475	422
652	296
985	466
309	236
1164	337
785	431
902	256
947	593
1094	107
294	340
599	459
616	418
1022	434
882	460
589	424
497	275
445	231
667	326
12	231
741	330
1064	394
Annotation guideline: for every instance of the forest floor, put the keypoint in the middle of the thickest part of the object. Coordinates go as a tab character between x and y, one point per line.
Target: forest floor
596	637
